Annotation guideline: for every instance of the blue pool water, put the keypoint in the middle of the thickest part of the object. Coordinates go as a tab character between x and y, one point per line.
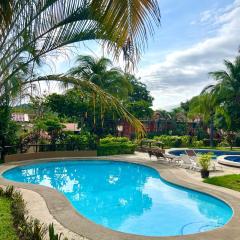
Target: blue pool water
217	153
127	197
233	158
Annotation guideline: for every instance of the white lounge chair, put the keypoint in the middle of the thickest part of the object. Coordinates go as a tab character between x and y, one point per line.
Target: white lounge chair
189	163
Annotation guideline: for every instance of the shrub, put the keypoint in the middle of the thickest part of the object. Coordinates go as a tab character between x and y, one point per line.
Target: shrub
179	141
197	144
111	139
185	141
82	141
223	143
206	142
27	228
169	141
115	145
204	160
237	141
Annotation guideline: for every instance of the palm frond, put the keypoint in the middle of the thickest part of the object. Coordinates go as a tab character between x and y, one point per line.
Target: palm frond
38	27
106	100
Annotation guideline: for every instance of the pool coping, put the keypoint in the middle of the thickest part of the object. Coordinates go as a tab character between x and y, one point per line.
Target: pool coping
62	210
222	160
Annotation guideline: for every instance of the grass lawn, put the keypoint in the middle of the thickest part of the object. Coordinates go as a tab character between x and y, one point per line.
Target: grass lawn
227	181
7	231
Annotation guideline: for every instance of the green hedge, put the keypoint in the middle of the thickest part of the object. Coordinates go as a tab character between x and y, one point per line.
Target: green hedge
82	141
173	141
179	141
115	146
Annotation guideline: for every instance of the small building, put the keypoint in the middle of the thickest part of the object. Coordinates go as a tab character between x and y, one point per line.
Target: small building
20	117
71	127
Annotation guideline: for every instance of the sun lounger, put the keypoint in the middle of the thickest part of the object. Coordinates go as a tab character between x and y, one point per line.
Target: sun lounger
188	163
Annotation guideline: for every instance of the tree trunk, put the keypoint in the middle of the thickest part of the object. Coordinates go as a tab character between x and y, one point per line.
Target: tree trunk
211	131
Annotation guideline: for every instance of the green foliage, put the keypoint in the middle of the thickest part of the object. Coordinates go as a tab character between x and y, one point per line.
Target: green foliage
71	104
91	114
204	160
7	232
115	146
53	235
139	101
8	128
227	90
111	139
140	109
82	141
206	142
25	42
51	124
223	143
179	141
169	141
197	144
100	72
25	227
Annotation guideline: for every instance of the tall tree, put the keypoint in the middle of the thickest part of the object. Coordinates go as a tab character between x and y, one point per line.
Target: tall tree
31	29
100	71
227	90
205	106
139	101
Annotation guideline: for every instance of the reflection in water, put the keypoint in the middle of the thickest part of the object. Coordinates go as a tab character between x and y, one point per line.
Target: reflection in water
127	197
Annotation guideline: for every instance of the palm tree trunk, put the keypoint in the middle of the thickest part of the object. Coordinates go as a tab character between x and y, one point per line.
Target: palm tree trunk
211	131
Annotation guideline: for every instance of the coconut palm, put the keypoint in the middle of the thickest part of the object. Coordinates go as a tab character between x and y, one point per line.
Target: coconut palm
227	92
32	29
205	105
228	82
100	72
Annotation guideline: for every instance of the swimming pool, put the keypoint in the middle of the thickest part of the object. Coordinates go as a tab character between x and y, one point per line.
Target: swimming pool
229	160
127	197
217	153
234	158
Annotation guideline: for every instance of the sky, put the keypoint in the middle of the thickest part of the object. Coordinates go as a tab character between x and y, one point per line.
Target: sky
193	40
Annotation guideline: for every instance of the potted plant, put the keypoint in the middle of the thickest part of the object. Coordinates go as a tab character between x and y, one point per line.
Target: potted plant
204	161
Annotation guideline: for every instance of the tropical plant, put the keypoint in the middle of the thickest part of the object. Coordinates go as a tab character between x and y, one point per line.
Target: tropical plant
227	88
139	100
51	124
204	106
228	82
204	161
31	30
115	145
27	228
100	72
227	92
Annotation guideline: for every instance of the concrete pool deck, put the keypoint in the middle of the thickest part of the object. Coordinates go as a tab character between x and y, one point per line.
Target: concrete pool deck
48	205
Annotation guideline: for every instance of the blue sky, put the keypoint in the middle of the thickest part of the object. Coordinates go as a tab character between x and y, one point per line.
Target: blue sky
194	38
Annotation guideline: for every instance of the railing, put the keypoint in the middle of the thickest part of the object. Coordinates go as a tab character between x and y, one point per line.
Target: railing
8	150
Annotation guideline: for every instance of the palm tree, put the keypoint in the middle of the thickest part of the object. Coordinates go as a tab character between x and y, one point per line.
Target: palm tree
227	92
31	29
205	105
100	72
228	82
34	28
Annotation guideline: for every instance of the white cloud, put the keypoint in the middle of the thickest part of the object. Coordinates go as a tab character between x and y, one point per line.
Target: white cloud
184	73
